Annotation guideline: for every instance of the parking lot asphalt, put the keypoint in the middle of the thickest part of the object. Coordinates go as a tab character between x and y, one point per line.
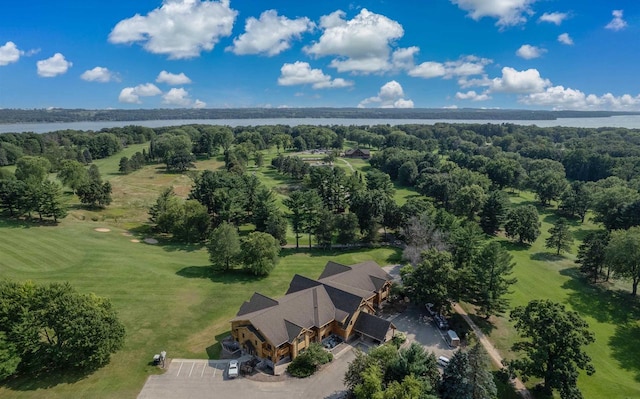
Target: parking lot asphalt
195	379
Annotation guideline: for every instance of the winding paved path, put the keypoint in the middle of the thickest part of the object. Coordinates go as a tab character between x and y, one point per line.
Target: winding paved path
493	352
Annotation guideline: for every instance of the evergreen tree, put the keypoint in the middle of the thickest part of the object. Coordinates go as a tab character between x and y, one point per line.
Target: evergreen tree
560	237
295	203
592	254
494	212
456	383
480	377
489	279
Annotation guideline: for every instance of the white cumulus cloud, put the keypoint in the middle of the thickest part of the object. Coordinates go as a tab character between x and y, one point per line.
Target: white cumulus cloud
177	96
391	95
270	35
465	66
403	58
362	44
617	23
173	79
553	17
529	52
132	95
560	97
564	38
300	73
98	74
507	12
179	28
473	96
521	82
53	66
180	97
9	53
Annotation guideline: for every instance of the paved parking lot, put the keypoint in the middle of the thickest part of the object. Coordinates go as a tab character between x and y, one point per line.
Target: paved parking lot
195	379
423	332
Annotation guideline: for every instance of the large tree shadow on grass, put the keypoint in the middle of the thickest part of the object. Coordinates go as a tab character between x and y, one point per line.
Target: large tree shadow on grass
604	305
546	257
45	379
227	277
616	307
624	347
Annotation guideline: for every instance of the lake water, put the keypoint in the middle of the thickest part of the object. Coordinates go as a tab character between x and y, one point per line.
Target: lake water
626	121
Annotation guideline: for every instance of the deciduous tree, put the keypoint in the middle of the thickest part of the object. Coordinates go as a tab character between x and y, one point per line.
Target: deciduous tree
56	327
259	253
523	224
553	346
432	280
224	247
623	254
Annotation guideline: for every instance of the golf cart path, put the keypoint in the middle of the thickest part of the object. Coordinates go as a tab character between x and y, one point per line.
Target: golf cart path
493	352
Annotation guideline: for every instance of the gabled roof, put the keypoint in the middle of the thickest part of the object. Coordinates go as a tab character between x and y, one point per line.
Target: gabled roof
257	302
299	283
372	326
304	309
333	268
363	279
308	303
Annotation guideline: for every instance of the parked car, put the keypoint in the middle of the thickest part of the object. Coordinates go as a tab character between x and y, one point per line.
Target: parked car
430	311
441	322
443	361
233	369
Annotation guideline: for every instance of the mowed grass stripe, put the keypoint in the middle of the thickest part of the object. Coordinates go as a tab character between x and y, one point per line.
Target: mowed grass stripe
42	254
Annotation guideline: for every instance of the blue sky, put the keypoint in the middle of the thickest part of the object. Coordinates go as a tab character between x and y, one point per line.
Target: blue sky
533	54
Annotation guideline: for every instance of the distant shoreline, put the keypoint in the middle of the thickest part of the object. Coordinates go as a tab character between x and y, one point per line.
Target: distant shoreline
58	115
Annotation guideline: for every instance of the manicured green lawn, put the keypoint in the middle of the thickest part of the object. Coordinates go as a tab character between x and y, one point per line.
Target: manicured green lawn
166	295
612	314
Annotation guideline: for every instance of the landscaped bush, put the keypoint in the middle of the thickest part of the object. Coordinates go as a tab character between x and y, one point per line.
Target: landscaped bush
399	339
308	362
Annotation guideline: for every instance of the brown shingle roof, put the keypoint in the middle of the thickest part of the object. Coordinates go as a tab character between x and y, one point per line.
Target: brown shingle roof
363	279
372	326
305	309
337	295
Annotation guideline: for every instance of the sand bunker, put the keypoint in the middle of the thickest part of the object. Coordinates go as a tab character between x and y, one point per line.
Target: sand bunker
102	230
134	240
127	234
152	241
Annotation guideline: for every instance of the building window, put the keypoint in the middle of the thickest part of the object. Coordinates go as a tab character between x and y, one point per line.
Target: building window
256	341
269	346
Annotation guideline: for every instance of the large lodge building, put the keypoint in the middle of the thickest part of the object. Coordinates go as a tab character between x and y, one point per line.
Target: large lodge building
341	302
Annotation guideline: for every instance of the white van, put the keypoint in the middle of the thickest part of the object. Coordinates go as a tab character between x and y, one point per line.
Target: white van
443	361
